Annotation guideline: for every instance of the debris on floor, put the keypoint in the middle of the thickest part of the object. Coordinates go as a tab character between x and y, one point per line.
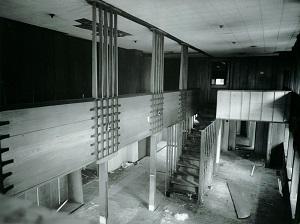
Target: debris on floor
280	187
252	172
181	217
126	164
240	200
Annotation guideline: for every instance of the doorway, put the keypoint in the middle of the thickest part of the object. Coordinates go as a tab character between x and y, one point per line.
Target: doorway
245	135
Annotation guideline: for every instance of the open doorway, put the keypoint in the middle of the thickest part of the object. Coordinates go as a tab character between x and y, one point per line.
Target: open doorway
245	135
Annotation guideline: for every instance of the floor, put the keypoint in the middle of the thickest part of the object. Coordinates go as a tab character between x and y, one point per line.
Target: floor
128	196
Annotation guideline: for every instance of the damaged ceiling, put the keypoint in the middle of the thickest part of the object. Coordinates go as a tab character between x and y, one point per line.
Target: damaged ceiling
219	27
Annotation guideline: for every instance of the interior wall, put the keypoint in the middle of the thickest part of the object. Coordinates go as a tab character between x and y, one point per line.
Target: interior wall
246	73
39	65
134	71
50	195
171	73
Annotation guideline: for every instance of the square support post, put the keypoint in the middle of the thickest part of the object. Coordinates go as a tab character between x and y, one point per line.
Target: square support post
152	164
225	136
75	192
103	192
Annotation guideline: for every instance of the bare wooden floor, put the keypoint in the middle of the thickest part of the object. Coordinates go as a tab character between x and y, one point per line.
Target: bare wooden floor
128	196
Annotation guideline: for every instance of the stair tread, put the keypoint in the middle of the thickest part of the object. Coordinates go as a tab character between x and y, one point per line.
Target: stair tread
186	173
189	157
181	191
188	165
182	182
191	151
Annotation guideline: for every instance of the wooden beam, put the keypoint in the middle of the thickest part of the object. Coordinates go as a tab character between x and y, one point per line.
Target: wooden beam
144	23
152	165
103	192
225	136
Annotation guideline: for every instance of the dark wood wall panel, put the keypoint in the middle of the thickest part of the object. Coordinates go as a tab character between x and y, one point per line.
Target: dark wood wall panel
171	74
134	72
248	73
40	65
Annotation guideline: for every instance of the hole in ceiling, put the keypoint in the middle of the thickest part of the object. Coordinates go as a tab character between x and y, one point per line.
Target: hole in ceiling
87	25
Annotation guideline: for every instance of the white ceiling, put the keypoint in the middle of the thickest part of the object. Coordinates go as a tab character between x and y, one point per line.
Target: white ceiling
269	25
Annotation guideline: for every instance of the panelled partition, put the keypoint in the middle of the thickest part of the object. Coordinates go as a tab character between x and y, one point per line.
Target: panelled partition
281	112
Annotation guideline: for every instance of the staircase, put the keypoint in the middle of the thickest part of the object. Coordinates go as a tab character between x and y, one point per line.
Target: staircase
185	179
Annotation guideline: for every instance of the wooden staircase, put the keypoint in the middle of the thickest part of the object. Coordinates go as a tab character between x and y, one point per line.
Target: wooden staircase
185	180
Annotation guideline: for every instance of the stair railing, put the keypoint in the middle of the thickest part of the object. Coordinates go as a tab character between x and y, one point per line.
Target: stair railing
207	158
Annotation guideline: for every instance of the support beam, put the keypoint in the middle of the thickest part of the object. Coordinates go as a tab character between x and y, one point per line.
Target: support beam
252	130
75	191
225	135
143	23
157	71
152	185
103	192
232	135
183	68
269	145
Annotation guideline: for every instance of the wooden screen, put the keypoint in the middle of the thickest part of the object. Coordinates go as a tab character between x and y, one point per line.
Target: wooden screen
269	106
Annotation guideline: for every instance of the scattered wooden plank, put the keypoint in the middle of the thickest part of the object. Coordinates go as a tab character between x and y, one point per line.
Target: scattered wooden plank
240	200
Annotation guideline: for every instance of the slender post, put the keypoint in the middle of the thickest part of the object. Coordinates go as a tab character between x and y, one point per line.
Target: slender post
152	188
219	140
103	192
201	167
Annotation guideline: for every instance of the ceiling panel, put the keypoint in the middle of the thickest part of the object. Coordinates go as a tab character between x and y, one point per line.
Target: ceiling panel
219	27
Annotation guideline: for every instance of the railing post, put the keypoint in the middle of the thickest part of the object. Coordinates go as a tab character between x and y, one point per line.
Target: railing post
201	167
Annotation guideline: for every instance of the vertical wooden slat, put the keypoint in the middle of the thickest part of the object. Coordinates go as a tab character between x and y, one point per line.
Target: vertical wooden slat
94	52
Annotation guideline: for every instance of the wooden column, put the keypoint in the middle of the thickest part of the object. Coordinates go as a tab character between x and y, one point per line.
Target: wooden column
182	88
225	126
103	192
269	145
252	130
156	121
105	74
183	68
232	135
75	192
152	164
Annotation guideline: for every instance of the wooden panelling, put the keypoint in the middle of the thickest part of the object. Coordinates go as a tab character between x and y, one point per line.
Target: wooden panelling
267	105
171	108
244	73
39	118
134	124
261	138
51	141
245	106
223	102
235	99
279	107
46	142
253	105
